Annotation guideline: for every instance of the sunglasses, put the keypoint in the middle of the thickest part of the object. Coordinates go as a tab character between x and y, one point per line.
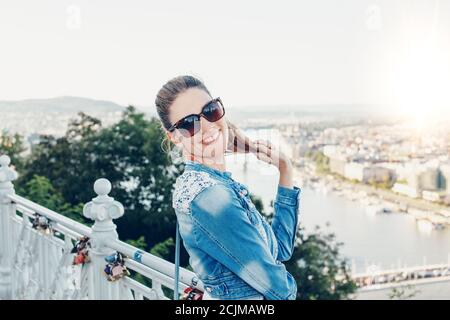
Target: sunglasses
189	125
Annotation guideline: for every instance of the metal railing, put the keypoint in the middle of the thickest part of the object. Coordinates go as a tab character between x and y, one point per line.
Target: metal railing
37	260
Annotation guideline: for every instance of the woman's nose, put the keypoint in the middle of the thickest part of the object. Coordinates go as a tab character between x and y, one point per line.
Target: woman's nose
205	125
200	126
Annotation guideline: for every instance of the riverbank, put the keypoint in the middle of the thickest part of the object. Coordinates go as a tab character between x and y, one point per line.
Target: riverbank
428	215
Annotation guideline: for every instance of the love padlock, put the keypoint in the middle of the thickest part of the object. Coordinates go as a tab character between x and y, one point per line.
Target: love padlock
191	293
81	250
115	269
41	224
80	259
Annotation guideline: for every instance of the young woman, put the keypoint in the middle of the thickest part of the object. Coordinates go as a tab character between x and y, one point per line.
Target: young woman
232	248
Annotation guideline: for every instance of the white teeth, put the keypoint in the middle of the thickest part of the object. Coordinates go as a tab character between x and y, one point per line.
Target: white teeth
211	138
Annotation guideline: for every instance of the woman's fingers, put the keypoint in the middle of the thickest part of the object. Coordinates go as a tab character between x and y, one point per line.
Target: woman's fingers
264	157
266	143
267	153
243	143
272	150
260	147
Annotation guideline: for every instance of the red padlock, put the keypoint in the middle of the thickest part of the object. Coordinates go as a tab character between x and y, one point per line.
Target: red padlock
80	258
191	293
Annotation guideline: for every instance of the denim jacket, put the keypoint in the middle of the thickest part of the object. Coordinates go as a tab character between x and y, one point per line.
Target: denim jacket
232	248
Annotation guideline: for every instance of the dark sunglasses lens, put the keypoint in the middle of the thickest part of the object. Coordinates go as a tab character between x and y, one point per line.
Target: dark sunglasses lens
213	111
189	126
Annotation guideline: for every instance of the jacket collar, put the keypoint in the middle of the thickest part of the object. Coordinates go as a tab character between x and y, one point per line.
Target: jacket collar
194	165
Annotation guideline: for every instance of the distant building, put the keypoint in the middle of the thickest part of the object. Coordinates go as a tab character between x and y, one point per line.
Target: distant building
337	165
445	172
354	171
406	190
429	179
300	147
424	179
330	150
367	173
379	174
337	159
432	195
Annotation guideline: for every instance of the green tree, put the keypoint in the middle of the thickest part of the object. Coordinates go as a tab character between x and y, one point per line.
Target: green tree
64	162
129	155
316	264
165	249
40	190
257	201
13	146
138	243
403	292
320	271
322	162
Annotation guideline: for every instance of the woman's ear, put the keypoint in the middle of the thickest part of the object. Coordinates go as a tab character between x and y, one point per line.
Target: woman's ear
173	137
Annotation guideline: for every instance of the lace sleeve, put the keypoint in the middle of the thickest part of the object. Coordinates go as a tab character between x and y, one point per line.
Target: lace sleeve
187	187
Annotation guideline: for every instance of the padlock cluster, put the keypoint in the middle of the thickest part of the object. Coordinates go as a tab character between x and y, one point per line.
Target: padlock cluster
192	293
42	224
115	269
81	251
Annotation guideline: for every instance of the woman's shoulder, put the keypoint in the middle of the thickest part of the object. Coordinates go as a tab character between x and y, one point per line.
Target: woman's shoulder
189	185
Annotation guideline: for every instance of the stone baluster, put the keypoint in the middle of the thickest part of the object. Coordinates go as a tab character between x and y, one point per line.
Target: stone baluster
102	209
7	175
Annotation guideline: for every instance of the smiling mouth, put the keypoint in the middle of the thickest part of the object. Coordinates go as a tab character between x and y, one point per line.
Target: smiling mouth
211	138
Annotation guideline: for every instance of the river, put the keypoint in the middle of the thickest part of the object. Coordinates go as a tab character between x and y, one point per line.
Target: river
370	242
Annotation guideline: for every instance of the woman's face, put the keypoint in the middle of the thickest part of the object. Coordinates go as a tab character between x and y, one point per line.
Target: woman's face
209	143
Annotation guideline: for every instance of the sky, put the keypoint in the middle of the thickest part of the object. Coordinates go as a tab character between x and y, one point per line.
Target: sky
250	53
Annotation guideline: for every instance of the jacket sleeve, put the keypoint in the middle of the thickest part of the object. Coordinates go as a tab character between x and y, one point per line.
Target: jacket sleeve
223	230
285	220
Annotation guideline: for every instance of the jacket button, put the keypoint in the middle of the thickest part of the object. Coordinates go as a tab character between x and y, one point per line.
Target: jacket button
208	289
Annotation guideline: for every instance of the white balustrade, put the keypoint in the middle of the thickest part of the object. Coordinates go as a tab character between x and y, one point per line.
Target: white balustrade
38	264
7	175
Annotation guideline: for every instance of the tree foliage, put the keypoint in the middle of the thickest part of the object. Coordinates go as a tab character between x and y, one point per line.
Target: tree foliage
128	154
320	271
40	190
316	264
13	146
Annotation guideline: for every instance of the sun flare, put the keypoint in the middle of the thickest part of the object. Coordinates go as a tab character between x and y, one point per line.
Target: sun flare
423	85
421	73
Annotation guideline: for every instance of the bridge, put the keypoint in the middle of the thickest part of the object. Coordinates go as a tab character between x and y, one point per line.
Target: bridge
45	255
410	276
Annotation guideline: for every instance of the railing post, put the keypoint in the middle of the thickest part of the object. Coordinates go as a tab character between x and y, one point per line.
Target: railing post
102	209
7	175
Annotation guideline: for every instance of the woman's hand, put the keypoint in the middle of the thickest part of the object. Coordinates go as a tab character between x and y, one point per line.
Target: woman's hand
238	142
264	151
267	152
